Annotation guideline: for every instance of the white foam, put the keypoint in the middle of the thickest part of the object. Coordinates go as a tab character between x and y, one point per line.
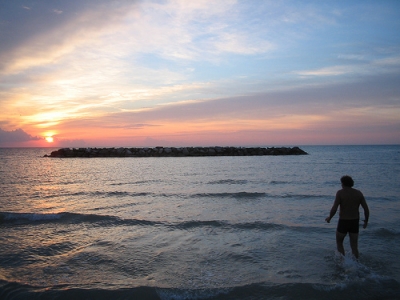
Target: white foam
355	271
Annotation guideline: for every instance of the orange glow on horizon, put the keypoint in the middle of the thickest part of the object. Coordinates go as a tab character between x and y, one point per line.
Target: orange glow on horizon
49	139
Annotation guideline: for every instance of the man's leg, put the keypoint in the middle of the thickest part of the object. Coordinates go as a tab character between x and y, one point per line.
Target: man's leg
354	244
339	241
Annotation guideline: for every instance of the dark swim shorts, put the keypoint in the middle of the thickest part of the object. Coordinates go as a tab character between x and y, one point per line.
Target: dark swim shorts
345	226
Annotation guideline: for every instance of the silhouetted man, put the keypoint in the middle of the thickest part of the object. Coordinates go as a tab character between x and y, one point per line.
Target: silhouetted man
349	201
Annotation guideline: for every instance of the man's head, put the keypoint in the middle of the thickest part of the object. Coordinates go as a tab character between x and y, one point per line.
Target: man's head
347	181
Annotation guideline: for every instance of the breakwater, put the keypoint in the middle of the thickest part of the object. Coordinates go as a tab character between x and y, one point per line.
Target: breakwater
175	151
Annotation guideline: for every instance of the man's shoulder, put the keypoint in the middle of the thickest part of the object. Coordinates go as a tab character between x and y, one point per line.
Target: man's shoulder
356	191
349	190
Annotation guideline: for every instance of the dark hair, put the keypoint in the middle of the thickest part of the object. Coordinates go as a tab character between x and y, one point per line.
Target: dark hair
347	181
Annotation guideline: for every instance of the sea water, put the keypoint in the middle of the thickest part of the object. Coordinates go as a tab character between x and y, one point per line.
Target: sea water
196	227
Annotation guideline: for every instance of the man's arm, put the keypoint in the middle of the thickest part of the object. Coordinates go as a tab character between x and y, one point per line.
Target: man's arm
333	209
366	212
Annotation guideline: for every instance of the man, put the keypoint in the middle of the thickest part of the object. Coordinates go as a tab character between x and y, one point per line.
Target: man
349	200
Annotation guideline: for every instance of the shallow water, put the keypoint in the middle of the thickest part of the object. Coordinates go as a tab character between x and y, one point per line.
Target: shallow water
195	227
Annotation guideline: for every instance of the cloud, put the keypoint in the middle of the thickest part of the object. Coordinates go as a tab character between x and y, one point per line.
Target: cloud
172	30
16	136
367	67
327	71
60	38
337	105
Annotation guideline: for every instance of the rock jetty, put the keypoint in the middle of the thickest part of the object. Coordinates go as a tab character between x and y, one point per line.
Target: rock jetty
174	152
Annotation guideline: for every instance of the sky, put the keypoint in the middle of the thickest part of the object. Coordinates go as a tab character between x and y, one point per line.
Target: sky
97	73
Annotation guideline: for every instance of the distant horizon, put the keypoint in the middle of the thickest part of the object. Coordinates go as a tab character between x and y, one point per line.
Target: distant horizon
236	146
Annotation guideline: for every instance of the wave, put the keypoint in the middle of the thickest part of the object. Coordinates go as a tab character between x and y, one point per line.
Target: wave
243	195
136	182
302	196
229	225
119	194
383	199
236	195
253	195
241	181
274	182
386	233
105	194
70	218
240	195
6	217
9	218
228	181
368	289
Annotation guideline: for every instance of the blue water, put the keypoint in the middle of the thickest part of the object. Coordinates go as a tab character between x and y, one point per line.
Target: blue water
195	227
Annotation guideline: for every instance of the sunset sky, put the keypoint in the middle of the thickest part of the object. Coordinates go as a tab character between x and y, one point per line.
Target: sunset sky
84	73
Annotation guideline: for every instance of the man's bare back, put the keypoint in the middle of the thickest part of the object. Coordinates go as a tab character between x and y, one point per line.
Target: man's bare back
348	200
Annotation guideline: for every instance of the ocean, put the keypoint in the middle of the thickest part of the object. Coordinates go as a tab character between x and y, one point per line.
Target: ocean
240	227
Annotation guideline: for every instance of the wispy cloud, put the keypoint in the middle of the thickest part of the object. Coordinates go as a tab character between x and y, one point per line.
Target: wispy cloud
51	46
369	67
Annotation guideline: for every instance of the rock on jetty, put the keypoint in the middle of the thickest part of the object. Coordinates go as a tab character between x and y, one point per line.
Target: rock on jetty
174	152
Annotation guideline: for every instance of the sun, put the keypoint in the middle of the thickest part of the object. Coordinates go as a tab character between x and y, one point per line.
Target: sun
49	139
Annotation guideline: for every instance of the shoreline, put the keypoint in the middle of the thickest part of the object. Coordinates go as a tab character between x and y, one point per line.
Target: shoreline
174	152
